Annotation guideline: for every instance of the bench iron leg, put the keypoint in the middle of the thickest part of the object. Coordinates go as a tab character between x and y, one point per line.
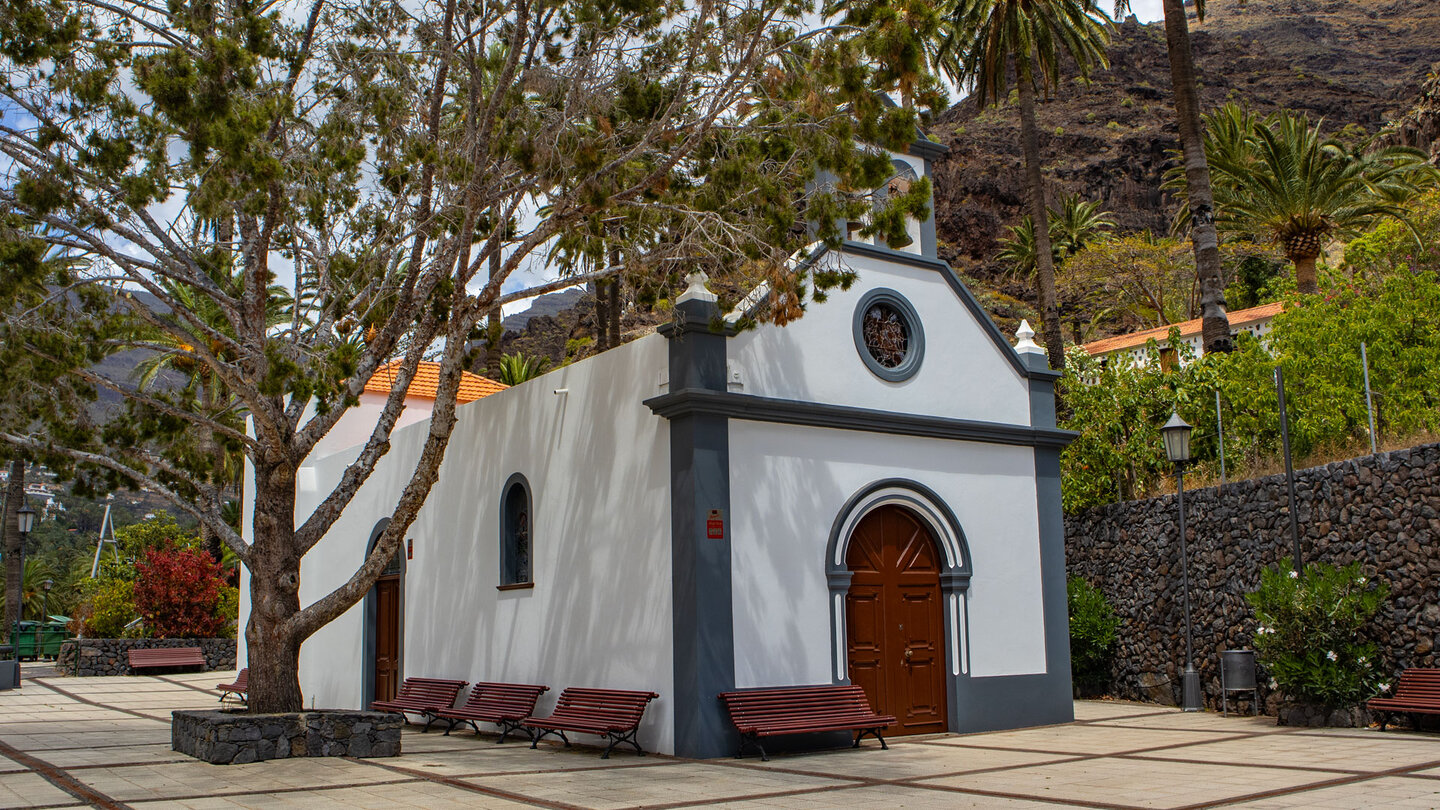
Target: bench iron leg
506	726
874	732
751	740
537	734
623	737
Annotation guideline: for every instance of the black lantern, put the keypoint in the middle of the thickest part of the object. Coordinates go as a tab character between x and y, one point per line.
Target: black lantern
27	518
1176	434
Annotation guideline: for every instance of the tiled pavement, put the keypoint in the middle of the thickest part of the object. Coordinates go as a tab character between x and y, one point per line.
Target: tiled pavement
68	742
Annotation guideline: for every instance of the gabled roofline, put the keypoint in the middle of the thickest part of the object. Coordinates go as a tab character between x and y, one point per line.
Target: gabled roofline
966	297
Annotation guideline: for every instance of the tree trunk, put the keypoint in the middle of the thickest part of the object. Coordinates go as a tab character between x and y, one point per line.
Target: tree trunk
272	644
1215	323
613	324
1305	280
602	316
14	552
493	330
1035	185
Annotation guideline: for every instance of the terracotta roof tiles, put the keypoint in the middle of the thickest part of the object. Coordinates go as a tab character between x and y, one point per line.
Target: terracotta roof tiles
427	382
1190	328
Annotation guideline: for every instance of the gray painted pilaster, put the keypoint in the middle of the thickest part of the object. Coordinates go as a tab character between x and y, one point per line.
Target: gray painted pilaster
703	620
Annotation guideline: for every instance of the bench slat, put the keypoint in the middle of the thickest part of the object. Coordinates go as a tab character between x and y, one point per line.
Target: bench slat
802	709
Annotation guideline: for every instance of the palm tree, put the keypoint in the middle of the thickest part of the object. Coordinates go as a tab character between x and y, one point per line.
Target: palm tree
1073	226
1279	177
517	368
981	37
1215	323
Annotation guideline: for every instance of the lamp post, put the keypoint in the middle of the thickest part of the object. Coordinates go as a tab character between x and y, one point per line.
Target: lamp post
1176	434
25	520
45	586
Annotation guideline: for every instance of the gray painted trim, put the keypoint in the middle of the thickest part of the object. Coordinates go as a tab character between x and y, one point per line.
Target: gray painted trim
842	417
915	335
928	149
503	537
966	297
1042	699
702	592
367	643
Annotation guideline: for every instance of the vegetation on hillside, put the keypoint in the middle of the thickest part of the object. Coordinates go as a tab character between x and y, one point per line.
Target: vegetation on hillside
1385	296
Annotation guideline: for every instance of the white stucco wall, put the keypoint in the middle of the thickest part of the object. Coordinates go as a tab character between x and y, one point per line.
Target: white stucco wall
358	422
789	484
814	359
597	461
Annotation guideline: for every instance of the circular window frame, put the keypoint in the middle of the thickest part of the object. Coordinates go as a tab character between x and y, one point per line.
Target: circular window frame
915	352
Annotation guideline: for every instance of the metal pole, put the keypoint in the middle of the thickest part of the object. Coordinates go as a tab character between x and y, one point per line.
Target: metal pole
1369	405
1220	434
1289	470
1190	682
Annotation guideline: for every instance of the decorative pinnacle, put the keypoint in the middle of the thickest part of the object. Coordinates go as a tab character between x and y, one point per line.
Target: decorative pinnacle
1026	343
696	291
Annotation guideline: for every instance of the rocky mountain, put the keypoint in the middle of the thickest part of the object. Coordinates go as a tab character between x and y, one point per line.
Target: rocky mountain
1420	128
550	305
1354	63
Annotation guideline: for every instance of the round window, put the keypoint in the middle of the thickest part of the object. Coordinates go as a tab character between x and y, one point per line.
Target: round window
888	335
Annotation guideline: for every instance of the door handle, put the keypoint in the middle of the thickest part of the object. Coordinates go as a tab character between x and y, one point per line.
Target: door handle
909	654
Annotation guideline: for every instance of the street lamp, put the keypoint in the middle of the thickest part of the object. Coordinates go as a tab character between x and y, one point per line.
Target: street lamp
1176	434
45	586
25	520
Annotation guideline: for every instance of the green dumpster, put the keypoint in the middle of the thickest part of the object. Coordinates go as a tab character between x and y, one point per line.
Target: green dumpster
52	633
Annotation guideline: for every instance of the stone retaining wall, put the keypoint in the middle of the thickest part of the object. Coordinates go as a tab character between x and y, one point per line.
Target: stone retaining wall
1383	511
234	737
88	657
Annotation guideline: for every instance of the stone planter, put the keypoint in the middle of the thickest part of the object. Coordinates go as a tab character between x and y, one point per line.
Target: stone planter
1315	715
234	737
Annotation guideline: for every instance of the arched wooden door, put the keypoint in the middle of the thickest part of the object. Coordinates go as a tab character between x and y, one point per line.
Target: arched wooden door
387	593
894	623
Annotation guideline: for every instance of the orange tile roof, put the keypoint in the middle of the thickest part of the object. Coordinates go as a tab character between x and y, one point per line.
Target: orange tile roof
1191	328
427	382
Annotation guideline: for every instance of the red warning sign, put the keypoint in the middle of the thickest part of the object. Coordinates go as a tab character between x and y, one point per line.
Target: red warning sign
715	525
409	548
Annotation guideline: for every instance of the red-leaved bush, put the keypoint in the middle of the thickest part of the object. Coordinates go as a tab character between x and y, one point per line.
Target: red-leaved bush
177	592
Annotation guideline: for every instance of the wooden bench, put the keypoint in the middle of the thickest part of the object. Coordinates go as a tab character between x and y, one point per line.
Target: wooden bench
1417	692
803	709
422	696
165	657
240	688
610	713
504	704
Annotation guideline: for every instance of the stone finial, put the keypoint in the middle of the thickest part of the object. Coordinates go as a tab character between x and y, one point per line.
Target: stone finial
697	290
1026	343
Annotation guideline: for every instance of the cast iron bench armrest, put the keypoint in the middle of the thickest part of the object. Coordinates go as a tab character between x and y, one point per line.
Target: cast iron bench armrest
772	712
1417	692
504	704
611	713
155	657
240	688
422	696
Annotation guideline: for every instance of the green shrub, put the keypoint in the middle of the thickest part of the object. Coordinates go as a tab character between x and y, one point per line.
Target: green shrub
1310	632
109	605
1093	635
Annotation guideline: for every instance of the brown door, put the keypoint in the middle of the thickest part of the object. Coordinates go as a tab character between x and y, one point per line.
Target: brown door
894	624
387	637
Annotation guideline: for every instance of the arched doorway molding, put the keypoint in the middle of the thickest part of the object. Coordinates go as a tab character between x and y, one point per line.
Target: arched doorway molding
371	617
921	501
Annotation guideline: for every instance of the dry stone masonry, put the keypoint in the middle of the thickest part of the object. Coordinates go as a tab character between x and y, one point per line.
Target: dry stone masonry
1383	511
234	737
90	657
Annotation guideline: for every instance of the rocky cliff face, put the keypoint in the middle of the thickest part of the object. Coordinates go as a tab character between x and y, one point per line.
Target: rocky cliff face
1352	62
1420	128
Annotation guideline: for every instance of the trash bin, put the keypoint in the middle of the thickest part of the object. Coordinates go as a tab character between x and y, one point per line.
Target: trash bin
1237	674
9	668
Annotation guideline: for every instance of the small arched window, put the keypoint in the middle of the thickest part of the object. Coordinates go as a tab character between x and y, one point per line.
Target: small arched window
515	534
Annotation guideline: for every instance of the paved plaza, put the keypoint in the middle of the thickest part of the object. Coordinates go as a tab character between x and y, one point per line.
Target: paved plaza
105	742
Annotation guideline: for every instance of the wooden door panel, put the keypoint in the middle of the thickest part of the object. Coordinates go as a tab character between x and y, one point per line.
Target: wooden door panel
387	637
894	623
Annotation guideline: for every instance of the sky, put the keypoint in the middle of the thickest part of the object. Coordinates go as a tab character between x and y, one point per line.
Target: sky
533	271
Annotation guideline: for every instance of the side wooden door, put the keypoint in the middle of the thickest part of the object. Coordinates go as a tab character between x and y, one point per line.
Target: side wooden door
387	637
894	621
